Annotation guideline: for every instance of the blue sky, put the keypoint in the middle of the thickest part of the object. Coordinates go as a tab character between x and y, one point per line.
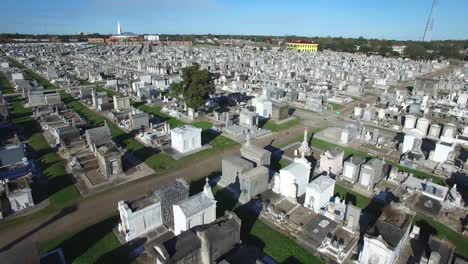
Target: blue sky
389	19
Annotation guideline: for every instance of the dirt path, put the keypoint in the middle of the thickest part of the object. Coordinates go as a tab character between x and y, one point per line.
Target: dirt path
281	137
95	208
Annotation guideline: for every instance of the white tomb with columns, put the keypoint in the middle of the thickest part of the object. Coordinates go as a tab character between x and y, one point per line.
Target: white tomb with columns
264	108
318	193
199	209
186	138
292	180
139	217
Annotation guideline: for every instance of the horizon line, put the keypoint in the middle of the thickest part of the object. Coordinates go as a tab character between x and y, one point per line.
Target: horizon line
226	34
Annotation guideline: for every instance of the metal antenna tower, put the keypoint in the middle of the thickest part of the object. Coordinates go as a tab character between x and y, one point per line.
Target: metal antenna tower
430	22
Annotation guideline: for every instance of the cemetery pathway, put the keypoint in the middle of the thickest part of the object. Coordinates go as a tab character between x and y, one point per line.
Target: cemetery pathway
93	209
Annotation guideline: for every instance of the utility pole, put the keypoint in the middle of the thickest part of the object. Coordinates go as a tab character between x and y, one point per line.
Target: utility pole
430	22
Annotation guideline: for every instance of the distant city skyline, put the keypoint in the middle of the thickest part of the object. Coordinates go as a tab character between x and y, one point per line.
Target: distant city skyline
397	19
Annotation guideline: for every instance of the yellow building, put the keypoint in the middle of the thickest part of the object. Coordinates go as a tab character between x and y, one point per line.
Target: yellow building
302	46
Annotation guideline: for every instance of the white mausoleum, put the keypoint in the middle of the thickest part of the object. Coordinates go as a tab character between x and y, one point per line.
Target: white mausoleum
199	209
292	180
186	138
139	217
319	192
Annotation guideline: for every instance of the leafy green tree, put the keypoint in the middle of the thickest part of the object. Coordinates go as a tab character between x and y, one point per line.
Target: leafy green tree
365	49
195	87
448	51
416	51
385	50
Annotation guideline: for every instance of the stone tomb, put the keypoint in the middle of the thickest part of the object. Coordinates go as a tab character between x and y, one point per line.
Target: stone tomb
204	244
186	138
351	168
232	168
199	209
253	182
19	194
139	217
258	155
280	111
331	161
248	119
109	160
169	195
292	180
371	173
318	193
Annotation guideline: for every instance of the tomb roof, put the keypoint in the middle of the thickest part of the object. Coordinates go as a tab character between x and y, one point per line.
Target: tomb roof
195	204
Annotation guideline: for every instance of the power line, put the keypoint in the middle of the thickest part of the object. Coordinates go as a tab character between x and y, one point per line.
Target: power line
430	22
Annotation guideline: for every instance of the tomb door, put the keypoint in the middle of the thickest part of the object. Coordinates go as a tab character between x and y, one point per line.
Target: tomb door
113	168
365	180
186	144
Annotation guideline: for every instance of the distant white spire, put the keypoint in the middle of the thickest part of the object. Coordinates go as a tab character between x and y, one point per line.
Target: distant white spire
119	30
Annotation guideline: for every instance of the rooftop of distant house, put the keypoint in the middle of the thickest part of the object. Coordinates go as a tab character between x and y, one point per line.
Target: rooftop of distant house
302	42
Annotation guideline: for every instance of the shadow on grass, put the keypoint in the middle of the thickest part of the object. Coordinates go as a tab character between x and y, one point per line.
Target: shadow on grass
59	183
262	122
122	137
276	156
248	213
291	111
62	213
84	241
138	104
348	197
27	126
124	254
380	204
291	260
426	230
209	135
38	149
197	186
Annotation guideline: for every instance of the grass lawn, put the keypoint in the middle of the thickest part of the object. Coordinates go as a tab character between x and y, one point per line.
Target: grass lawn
204	125
336	107
441	231
109	92
97	243
84	82
299	137
421	174
156	111
281	248
61	190
5	85
41	80
157	161
254	232
355	198
93	244
436	228
324	145
274	127
277	165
